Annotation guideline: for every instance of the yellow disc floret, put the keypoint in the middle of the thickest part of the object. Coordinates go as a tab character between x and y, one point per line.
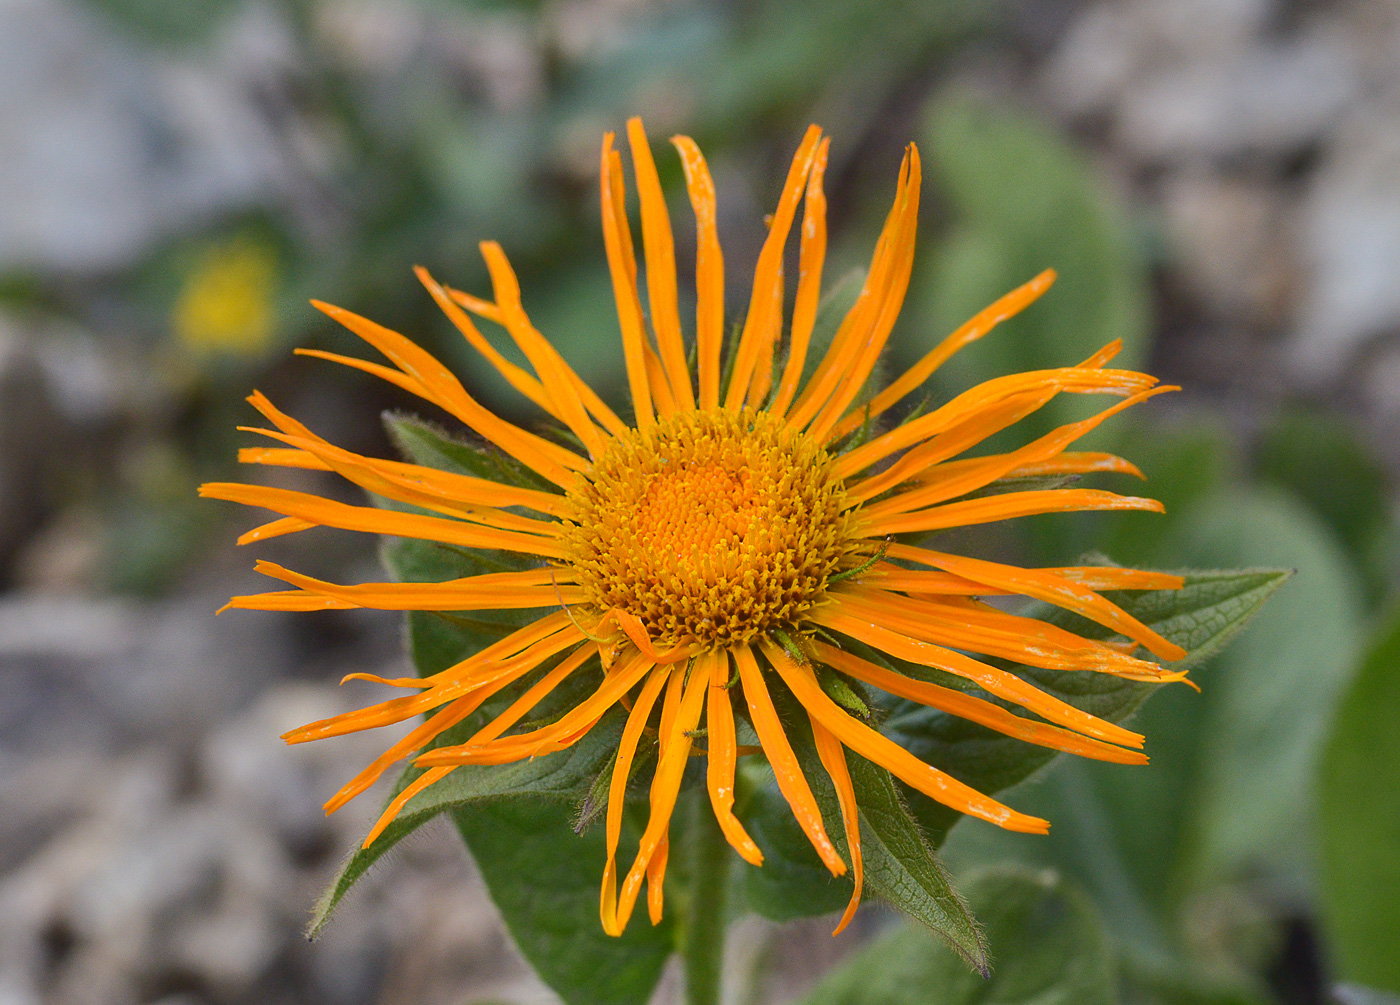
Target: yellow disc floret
711	526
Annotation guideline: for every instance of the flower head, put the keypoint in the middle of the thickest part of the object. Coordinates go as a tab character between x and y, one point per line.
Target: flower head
744	533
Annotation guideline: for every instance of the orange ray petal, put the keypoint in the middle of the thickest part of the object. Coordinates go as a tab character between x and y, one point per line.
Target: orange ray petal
1006	507
574	723
414	485
900	266
963	434
1094	577
660	384
961	624
491	678
617	791
660	249
811	258
857	320
973	709
328	513
770	260
885	752
623	267
396	805
516	376
396	377
1079	463
1049	587
833	758
665	787
540	455
498	654
791	782
604	415
709	270
980	324
656	878
534	695
767	341
559	379
285	600
446	485
969	477
492	591
275	528
1068	380
282	457
988	678
719	775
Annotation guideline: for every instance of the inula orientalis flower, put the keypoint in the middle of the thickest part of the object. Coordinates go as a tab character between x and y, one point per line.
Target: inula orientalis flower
733	539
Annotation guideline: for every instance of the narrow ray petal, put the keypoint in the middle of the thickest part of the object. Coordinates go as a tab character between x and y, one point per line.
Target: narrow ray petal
709	270
811	258
959	623
791	782
719	775
559	380
849	335
980	324
547	459
660	249
665	787
770	260
965	706
870	744
1046	586
1070	380
1006	507
617	791
327	513
989	678
516	376
496	590
833	758
900	267
623	267
970	477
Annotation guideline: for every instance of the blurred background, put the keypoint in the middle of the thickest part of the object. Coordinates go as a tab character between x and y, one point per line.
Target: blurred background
1217	182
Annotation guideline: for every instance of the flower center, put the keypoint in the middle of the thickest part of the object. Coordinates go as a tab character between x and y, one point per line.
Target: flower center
712	525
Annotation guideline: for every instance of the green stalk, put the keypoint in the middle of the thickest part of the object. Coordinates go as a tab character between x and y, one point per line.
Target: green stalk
702	930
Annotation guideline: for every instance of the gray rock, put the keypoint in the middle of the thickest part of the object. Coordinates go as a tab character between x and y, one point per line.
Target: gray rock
108	147
1350	237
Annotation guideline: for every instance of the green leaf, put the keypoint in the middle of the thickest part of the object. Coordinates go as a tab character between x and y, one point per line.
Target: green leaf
900	865
427	444
545	880
1359	821
563	776
1264	715
1201	617
1023	201
1224	801
1050	948
1321	458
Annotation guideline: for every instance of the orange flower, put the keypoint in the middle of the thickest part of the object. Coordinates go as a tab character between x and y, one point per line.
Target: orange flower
729	539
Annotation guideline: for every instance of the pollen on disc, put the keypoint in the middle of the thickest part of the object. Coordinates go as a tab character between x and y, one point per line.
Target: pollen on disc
713	525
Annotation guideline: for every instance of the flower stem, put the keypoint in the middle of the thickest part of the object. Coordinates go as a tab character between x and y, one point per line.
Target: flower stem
702	935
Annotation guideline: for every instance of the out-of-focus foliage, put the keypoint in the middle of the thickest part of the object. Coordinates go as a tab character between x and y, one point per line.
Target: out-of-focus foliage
1052	949
1359	820
1021	199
